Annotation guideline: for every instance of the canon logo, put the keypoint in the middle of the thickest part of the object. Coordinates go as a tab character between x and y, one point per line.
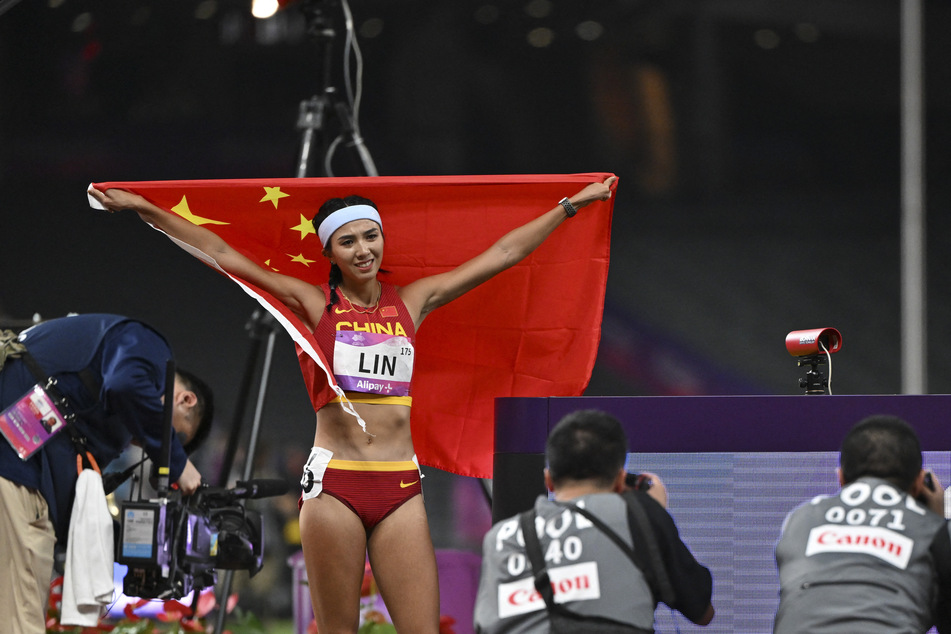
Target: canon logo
576	582
833	537
560	587
524	597
887	545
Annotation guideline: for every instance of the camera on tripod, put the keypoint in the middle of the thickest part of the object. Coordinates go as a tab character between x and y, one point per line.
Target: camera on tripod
173	545
813	348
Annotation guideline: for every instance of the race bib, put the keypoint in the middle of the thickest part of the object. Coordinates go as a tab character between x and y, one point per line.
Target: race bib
312	482
373	363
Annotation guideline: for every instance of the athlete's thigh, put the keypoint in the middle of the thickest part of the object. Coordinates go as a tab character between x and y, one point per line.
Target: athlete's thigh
404	566
334	543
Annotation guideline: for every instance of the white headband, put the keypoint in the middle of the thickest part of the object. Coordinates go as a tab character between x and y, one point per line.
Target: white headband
344	215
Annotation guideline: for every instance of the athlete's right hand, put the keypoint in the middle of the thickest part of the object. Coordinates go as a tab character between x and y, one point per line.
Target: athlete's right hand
116	199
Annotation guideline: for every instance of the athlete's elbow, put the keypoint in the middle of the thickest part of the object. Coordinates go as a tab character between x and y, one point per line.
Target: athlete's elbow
510	257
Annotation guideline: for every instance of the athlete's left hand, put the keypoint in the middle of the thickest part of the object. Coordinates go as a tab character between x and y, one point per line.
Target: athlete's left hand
593	192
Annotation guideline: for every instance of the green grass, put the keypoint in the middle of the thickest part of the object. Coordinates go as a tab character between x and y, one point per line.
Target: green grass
279	627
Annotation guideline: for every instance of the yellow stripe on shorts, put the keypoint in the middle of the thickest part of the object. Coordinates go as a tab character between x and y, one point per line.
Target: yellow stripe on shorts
372	465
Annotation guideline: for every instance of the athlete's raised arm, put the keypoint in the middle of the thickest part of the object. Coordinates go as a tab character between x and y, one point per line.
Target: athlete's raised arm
426	294
305	300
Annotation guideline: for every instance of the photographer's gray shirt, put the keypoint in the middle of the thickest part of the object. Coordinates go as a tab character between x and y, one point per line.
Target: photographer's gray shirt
594	576
859	561
590	574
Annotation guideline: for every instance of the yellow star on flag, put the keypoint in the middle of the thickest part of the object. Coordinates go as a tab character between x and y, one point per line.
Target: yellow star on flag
300	258
267	263
273	194
306	227
182	210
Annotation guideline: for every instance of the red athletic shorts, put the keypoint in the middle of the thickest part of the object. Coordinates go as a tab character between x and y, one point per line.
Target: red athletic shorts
372	489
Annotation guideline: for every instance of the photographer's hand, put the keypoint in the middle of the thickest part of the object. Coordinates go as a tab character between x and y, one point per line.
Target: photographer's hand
648	482
931	493
657	490
190	479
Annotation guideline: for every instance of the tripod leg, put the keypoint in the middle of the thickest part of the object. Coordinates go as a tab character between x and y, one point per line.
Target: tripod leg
225	586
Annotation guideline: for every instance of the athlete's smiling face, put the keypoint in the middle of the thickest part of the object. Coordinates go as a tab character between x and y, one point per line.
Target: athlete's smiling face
357	248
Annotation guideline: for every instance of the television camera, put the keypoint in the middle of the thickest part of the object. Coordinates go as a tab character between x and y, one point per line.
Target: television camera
173	545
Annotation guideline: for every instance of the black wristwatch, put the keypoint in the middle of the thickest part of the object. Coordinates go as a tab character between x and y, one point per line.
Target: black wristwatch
570	209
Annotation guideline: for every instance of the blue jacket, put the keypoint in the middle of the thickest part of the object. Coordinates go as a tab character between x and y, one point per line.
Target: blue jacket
127	360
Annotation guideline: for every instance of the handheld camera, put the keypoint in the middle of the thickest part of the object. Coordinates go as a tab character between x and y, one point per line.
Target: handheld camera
638	481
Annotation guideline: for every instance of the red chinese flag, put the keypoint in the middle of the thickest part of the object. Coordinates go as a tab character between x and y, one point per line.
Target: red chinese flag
533	330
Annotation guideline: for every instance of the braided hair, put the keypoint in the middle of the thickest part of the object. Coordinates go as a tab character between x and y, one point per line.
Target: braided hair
330	206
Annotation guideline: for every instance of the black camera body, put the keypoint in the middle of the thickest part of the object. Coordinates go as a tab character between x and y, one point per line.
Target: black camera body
173	545
637	481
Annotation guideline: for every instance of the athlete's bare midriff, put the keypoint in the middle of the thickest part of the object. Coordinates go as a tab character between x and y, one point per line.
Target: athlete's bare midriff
389	425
